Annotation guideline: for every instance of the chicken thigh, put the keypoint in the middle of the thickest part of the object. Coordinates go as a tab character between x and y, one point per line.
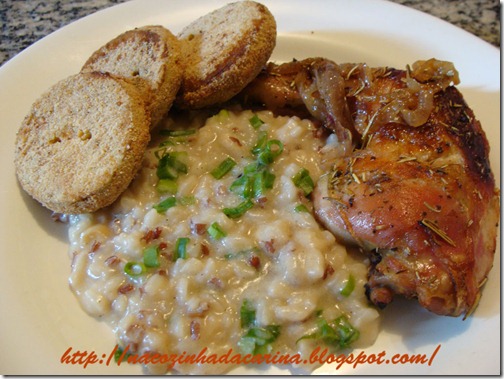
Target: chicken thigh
422	202
413	186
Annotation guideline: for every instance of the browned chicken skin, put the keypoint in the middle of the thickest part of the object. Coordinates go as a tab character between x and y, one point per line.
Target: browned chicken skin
417	194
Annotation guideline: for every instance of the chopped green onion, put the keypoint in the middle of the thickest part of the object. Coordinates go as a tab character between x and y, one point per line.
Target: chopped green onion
255	121
338	333
175	162
346	333
186	200
224	167
247	314
239	210
165	204
272	149
258	340
134	268
151	256
304	181
223	115
242	253
301	208
349	286
251	168
261	143
166	172
243	186
263	180
177	133
216	231
167	186
170	166
181	248
119	352
256	179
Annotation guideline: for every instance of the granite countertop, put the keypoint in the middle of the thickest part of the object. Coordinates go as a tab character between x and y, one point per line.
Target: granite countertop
25	22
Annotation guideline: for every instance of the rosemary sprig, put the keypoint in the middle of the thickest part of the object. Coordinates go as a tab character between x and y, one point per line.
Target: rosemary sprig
432	226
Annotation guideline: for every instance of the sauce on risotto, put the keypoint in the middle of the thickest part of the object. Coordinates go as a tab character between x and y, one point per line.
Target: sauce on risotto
214	246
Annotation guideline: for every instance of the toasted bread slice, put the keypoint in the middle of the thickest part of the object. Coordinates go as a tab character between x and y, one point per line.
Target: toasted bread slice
149	56
82	143
223	51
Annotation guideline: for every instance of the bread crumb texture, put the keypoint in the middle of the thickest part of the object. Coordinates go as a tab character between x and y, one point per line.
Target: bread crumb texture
82	143
223	51
149	57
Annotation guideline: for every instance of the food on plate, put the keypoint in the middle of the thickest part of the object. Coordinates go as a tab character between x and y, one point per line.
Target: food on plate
82	143
148	56
215	244
212	61
417	192
313	87
223	51
228	231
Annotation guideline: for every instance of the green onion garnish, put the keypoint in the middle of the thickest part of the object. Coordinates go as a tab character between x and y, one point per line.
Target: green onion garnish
167	172
243	186
247	314
271	150
257	339
216	231
252	168
223	115
134	268
186	200
338	333
118	354
301	208
223	168
239	210
165	204
349	286
151	256
256	178
181	248
255	121
242	253
261	143
167	186
263	180
170	166
304	181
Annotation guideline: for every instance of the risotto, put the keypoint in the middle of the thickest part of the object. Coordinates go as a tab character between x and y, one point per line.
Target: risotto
214	246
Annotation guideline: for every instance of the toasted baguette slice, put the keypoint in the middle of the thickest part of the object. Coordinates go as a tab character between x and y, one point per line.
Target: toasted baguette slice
149	56
82	143
223	51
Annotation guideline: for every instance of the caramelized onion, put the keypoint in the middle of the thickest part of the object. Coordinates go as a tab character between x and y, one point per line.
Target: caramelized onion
411	102
440	73
322	88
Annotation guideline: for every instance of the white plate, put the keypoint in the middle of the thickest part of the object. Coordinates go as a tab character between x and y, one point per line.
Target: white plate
40	319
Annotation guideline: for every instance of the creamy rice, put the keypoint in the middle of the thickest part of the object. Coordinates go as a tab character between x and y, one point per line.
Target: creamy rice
274	259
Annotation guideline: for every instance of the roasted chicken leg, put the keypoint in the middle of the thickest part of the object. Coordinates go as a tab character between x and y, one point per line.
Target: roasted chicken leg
422	202
416	193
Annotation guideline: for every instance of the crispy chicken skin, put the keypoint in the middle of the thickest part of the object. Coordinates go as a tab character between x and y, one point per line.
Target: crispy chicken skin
422	202
415	192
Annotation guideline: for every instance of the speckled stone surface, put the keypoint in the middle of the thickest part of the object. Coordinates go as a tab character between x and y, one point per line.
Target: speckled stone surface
26	21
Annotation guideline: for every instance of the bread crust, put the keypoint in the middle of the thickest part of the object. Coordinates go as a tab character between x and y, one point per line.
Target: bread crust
223	51
148	56
82	143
